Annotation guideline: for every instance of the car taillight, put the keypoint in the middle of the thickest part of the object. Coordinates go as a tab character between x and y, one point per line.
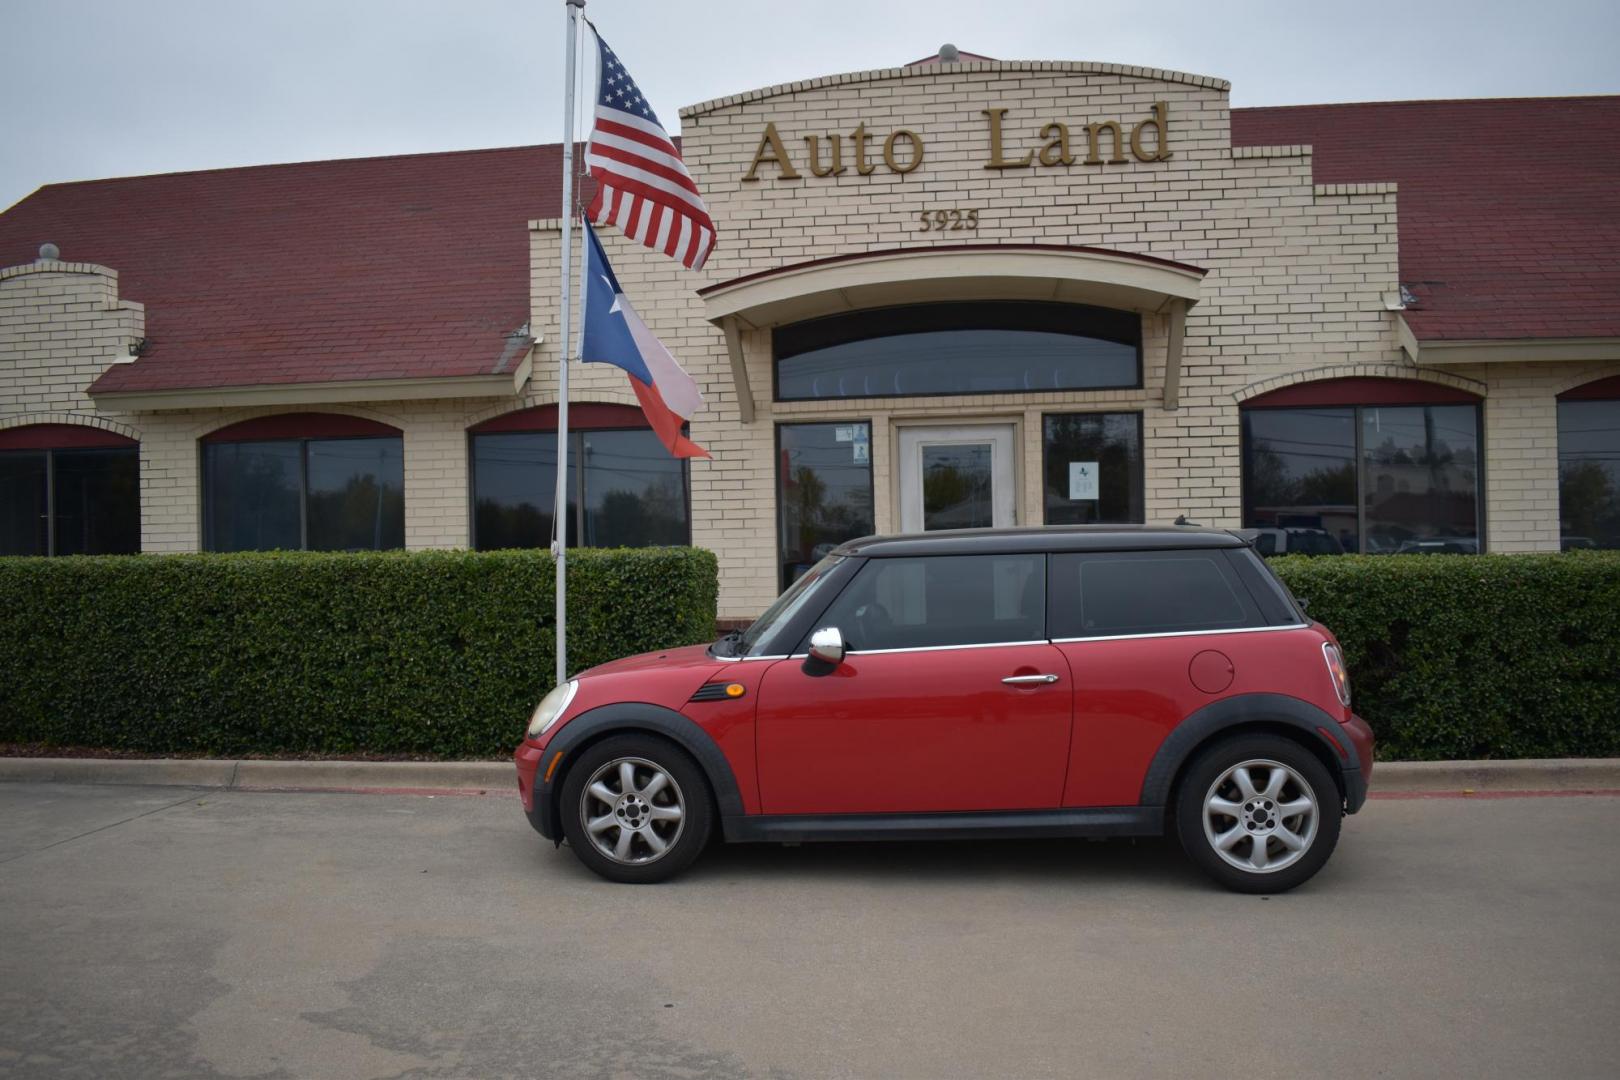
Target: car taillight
1337	671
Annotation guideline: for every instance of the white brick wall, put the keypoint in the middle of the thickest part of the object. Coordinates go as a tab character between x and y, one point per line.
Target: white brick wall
1297	277
61	325
1297	272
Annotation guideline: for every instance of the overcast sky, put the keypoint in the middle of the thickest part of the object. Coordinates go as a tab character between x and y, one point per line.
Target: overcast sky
98	88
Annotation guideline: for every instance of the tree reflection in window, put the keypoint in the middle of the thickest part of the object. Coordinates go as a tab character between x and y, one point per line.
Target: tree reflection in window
1376	479
631	492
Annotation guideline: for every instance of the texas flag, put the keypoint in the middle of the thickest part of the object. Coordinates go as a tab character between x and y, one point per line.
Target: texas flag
614	334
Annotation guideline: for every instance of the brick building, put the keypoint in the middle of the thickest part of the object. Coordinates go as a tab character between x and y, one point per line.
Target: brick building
953	293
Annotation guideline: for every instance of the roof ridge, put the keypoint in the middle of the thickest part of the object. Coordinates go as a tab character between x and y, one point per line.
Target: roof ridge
1432	101
306	161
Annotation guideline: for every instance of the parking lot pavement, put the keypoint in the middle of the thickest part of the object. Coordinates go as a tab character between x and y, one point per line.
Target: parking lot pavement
161	932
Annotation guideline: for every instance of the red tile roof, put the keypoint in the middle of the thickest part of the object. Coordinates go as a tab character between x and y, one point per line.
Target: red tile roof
1509	210
378	268
417	266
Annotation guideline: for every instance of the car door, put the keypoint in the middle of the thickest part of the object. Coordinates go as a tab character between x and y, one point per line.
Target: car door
949	696
1149	639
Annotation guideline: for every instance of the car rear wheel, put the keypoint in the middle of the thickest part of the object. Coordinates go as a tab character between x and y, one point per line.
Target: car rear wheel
1258	813
636	808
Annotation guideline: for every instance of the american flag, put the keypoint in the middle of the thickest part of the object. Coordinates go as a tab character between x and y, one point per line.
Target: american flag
642	183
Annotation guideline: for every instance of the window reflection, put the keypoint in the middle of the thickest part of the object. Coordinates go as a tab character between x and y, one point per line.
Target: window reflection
1589	474
926	349
823	491
1093	467
1420	479
956	482
1376	479
314	494
356	494
70	501
631	492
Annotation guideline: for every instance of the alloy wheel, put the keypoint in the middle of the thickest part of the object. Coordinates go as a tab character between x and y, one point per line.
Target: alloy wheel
633	810
1260	816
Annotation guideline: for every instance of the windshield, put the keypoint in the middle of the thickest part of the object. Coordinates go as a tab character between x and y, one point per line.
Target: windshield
786	606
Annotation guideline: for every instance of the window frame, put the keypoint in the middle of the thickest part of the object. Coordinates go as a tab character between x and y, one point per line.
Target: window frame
1136	384
776	484
870	565
1416	398
303	441
1603	390
495	426
1141	457
1255	616
50	439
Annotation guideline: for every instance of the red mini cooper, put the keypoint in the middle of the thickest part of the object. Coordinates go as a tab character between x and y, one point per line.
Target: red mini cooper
1084	681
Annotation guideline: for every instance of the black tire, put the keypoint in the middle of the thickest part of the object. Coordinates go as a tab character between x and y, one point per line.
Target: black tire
684	839
1257	820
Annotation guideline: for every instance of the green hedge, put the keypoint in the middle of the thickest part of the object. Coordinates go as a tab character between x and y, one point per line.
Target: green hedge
434	653
1475	656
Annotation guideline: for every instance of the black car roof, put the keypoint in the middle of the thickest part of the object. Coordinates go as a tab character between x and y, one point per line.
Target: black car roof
1043	539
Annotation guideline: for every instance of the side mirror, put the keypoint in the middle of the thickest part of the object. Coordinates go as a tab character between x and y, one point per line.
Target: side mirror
827	645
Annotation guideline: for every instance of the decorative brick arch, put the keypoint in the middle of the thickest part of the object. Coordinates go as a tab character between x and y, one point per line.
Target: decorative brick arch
75	419
1575	382
1359	371
599	396
216	423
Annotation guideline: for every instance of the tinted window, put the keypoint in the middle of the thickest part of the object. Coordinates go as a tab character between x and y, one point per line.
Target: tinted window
947	600
625	490
823	491
1093	465
987	348
1589	474
356	494
70	502
292	494
635	492
97	502
24	513
1147	592
1380	479
1299	479
1420	479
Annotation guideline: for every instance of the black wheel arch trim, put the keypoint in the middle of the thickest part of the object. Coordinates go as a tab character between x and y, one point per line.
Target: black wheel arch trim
630	717
1243	709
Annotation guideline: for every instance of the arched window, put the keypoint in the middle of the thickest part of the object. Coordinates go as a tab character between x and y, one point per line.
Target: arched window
304	481
66	489
994	347
1589	465
1379	466
625	490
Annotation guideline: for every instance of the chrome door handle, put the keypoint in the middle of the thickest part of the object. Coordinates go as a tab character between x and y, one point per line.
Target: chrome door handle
1028	680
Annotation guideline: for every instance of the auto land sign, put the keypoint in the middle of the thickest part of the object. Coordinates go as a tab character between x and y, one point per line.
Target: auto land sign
902	150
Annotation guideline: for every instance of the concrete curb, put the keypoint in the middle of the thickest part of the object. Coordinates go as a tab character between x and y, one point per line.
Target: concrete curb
1524	774
1389	778
266	775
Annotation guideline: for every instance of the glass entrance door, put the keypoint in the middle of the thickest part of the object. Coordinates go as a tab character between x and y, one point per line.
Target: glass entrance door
958	477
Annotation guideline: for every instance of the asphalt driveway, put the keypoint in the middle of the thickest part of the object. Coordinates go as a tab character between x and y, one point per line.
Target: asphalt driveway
174	932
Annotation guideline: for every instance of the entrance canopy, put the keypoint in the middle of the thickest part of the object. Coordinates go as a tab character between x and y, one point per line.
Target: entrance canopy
1081	275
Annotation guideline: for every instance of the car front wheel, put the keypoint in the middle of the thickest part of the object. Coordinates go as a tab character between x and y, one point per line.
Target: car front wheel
636	808
1259	813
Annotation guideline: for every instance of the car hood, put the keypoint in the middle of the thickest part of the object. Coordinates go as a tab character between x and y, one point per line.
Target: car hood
667	677
668	660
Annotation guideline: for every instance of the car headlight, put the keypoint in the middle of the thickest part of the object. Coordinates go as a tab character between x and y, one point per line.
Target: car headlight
551	707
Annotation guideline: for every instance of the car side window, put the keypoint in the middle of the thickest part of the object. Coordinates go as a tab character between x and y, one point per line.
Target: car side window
1114	593
942	600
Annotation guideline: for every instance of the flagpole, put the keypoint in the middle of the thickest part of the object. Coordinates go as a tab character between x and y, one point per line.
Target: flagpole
559	544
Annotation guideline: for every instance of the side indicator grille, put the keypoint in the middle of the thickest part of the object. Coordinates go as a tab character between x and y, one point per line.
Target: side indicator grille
719	691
